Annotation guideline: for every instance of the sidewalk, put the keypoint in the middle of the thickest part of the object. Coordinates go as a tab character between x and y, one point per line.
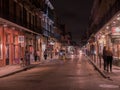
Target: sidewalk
12	69
114	75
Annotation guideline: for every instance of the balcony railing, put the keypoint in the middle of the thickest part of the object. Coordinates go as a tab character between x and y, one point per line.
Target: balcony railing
20	21
111	12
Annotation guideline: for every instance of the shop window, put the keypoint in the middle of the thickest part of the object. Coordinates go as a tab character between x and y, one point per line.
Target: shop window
116	51
14	7
7	38
7	49
15	39
33	22
1	6
0	48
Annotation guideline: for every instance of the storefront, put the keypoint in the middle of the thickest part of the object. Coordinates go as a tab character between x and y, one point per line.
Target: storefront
109	36
38	48
115	38
30	40
101	41
10	48
44	42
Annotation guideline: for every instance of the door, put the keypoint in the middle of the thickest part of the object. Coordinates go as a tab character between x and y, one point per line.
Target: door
7	49
7	54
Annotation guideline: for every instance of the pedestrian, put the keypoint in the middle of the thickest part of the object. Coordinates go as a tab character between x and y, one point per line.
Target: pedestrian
22	62
109	59
27	57
38	55
105	57
45	54
35	55
51	55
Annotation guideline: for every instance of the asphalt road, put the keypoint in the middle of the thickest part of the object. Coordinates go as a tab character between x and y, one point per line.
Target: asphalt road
75	74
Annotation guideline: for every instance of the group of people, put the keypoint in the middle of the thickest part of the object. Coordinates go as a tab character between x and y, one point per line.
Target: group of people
29	57
108	58
48	53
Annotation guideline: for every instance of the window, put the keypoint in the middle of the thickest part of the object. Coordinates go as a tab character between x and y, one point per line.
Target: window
14	11
0	48
15	38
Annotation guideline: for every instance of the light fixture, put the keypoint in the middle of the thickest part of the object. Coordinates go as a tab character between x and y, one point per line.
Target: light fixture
107	27
114	22
118	18
13	28
5	25
103	36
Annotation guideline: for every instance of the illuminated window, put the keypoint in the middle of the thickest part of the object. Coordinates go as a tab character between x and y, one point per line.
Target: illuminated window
0	48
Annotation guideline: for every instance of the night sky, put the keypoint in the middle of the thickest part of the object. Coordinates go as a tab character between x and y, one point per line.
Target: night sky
75	14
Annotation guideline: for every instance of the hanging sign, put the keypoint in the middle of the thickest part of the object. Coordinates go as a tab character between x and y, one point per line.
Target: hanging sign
116	30
21	39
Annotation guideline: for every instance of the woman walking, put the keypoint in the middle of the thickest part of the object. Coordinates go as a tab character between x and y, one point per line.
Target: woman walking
27	57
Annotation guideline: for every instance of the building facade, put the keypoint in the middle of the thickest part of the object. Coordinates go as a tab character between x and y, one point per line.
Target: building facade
26	25
104	25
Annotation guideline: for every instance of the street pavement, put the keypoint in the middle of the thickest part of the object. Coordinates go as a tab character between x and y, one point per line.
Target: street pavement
12	69
74	74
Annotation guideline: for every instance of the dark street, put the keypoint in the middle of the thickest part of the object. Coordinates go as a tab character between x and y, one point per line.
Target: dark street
59	45
75	74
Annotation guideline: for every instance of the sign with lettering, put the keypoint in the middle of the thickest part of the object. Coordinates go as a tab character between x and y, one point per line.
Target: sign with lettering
21	39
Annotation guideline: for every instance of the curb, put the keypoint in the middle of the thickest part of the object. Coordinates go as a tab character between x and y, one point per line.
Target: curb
103	74
17	71
21	69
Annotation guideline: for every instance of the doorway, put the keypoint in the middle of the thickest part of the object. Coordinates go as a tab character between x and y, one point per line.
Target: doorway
7	54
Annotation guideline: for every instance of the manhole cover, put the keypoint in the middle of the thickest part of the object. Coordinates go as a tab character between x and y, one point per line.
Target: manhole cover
108	86
77	75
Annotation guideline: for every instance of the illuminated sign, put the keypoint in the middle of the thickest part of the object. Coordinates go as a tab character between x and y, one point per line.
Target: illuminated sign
115	29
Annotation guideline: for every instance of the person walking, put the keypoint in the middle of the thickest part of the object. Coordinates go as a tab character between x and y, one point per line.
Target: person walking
45	54
38	55
109	59
27	57
105	57
51	55
35	55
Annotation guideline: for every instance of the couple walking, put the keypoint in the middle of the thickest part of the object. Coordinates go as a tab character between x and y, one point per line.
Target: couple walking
108	58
